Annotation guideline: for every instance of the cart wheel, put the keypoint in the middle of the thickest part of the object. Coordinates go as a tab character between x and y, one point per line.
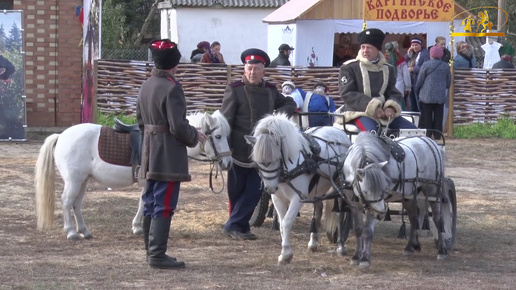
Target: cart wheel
260	211
449	213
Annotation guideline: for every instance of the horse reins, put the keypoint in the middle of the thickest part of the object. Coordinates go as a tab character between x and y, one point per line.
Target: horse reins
216	158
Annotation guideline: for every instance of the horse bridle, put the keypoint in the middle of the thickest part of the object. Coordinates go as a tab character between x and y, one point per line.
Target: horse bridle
216	158
356	185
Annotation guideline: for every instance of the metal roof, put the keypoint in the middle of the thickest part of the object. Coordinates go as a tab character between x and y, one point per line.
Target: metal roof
229	3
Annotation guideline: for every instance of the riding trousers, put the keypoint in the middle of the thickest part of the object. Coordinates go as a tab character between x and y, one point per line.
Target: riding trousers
368	124
244	192
160	198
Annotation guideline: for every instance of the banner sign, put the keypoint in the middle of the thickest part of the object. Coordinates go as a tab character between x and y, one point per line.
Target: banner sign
409	10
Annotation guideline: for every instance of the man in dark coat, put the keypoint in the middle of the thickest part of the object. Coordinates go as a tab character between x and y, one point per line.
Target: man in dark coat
504	63
367	86
415	57
284	53
161	115
245	102
441	41
6	68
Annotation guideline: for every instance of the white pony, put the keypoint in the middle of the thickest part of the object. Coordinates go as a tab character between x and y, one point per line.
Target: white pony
292	169
76	154
380	171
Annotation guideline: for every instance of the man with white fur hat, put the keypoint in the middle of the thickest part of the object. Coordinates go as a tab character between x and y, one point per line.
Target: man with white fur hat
367	86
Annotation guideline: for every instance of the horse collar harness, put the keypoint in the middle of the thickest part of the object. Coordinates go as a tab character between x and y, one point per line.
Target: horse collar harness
310	165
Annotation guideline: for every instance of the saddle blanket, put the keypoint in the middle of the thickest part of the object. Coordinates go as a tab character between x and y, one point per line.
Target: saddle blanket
114	148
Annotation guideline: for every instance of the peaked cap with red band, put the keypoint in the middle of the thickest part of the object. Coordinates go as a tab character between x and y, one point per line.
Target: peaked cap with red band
255	55
165	53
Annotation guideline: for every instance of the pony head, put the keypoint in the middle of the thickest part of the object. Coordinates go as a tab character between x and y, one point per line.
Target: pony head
217	129
365	167
277	144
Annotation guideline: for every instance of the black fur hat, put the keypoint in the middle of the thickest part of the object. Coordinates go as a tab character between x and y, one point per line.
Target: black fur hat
372	36
164	53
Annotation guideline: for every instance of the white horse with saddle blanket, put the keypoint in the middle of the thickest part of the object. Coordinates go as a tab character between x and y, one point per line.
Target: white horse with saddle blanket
88	150
295	169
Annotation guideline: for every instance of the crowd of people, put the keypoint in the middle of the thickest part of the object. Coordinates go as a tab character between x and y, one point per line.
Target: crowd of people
375	88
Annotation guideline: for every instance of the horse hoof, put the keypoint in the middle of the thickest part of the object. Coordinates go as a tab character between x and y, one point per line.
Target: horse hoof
408	253
342	251
312	249
364	265
88	236
441	257
73	237
284	260
137	231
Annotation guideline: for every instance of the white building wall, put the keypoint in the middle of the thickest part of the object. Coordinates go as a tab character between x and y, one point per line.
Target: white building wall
279	34
314	43
235	29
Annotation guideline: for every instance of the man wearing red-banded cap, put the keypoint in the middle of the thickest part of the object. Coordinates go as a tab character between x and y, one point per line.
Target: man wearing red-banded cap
245	102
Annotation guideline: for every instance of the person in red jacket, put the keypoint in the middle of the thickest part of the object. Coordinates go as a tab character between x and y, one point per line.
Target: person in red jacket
213	54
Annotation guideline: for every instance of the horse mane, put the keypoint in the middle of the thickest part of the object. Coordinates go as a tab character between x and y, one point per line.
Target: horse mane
273	130
196	119
370	150
223	122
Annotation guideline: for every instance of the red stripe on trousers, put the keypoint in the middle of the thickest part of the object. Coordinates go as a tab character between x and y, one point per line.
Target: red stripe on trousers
169	193
361	127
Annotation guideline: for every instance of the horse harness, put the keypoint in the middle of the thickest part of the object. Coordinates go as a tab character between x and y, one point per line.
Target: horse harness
310	165
134	130
398	154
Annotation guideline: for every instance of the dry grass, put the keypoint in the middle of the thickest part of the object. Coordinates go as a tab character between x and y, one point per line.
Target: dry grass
484	256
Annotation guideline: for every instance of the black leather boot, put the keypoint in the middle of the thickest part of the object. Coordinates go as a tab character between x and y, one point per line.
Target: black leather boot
158	239
146	229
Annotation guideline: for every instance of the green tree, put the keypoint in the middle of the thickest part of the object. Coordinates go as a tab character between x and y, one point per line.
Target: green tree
13	43
114	31
3	37
123	19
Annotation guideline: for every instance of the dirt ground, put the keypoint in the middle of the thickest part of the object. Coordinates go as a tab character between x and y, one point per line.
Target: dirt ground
484	256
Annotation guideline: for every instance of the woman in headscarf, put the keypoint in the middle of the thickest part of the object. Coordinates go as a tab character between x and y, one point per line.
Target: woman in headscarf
396	59
464	57
213	54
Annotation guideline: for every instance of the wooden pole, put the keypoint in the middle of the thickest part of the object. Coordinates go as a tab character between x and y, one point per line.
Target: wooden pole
501	16
146	23
449	119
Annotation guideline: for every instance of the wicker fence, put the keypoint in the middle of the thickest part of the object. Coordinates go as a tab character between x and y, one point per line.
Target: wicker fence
483	95
118	82
479	95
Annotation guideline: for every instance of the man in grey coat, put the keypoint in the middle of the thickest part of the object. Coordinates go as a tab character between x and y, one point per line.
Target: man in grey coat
161	114
431	86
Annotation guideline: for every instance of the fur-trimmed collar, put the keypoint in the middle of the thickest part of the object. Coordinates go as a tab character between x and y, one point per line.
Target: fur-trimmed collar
161	73
372	66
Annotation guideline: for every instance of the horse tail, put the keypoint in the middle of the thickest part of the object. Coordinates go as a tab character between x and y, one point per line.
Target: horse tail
331	220
45	183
